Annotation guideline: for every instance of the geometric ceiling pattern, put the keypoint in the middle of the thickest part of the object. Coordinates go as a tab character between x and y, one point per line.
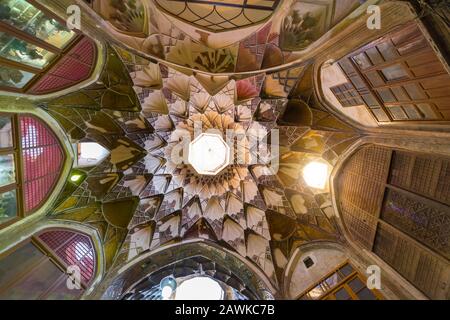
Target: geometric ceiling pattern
220	15
140	199
222	36
209	116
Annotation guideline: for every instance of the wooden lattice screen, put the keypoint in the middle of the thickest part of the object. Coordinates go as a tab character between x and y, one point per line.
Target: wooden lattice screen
397	204
397	78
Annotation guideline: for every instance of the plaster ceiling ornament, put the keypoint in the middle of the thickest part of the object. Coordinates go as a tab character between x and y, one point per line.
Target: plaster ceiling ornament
212	139
169	194
222	36
210	187
216	16
200	161
229	170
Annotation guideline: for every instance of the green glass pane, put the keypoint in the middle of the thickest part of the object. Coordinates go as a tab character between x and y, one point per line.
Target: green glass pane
7	172
24	16
15	78
5	132
14	49
8	206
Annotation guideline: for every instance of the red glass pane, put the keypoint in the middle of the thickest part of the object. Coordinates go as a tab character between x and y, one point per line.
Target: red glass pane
42	158
74	67
73	249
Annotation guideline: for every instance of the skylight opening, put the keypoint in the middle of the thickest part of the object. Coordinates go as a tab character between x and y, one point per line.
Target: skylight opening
90	154
209	154
199	288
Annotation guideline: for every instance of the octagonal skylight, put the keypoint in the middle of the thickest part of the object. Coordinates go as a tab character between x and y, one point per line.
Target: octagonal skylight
209	154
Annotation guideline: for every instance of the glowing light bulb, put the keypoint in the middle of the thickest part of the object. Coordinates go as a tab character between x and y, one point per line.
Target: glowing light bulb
315	174
75	177
166	292
168	286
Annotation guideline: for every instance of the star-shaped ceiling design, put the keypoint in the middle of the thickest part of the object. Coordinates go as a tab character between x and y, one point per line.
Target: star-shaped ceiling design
225	207
140	199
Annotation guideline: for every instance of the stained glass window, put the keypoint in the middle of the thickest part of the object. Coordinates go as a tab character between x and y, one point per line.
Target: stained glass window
8	206
27	18
5	132
14	49
73	249
37	269
42	158
13	77
31	40
30	165
8	196
7	171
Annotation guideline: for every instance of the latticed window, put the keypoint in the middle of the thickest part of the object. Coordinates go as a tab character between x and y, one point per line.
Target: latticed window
73	249
344	283
38	268
42	160
219	15
38	54
31	160
396	203
347	95
397	78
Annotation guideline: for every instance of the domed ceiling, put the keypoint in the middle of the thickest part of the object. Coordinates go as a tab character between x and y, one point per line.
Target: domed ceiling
208	118
254	205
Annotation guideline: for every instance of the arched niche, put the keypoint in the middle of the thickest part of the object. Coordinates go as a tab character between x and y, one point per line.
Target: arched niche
393	203
309	264
191	270
130	275
38	266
